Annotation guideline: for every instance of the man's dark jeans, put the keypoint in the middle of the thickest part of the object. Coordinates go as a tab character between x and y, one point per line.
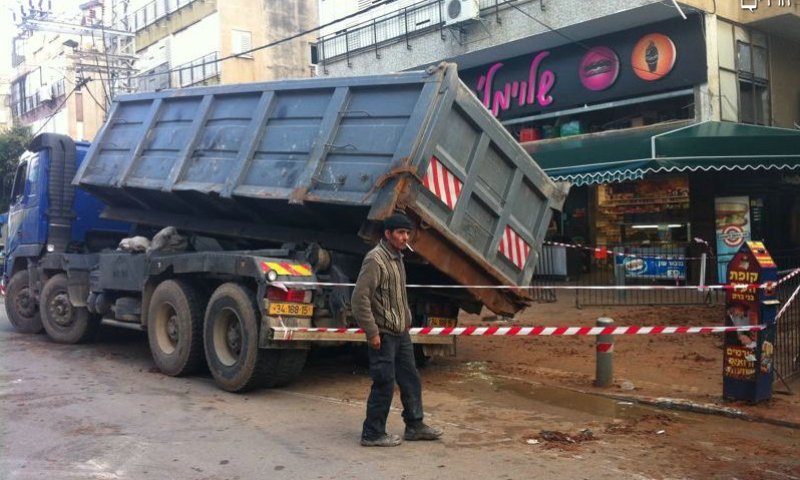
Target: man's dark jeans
393	362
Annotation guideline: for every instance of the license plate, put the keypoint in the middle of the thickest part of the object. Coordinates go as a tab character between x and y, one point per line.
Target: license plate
291	309
442	322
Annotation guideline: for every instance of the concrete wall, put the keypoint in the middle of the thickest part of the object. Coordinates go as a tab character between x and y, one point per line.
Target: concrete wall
785	81
732	9
195	41
267	22
291	59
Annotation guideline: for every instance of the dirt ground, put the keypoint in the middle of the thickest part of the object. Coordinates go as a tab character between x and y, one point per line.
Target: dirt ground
680	367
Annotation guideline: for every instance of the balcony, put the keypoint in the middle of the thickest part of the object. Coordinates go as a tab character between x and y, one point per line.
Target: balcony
153	12
44	95
198	70
401	25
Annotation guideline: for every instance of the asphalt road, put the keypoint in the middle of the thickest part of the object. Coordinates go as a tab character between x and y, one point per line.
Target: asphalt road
102	411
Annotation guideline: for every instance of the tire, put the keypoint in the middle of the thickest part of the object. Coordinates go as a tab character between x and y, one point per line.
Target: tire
22	309
230	338
64	322
175	328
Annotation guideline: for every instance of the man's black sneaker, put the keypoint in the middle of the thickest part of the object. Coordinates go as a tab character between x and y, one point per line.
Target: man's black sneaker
385	440
421	431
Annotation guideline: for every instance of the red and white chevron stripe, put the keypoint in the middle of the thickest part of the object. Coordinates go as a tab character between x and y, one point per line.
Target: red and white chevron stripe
442	183
514	248
285	333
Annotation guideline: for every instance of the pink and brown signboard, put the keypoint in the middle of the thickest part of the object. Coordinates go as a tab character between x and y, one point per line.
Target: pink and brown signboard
641	61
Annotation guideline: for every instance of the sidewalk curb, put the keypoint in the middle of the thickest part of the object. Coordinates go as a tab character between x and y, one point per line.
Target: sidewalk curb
689	406
679	404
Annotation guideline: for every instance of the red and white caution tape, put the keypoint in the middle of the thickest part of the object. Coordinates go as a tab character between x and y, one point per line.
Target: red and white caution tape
702	288
788	276
285	333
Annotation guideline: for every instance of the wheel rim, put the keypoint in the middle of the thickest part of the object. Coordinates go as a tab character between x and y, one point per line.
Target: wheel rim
60	310
25	304
166	326
228	337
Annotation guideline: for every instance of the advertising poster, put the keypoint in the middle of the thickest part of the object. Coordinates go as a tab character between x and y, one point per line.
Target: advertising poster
732	219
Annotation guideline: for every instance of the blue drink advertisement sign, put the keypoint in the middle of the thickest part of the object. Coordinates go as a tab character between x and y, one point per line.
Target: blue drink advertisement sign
653	266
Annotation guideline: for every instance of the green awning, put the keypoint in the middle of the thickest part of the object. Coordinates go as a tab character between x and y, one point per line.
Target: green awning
631	154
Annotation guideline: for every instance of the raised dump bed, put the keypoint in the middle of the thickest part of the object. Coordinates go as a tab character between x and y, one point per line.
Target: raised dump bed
320	160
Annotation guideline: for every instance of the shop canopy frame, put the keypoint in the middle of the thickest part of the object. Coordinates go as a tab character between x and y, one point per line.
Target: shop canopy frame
623	155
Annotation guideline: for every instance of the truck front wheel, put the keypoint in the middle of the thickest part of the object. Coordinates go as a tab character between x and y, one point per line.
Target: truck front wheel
175	328
64	322
230	337
21	306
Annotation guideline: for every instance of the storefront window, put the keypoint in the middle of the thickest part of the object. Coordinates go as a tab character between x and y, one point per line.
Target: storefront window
644	213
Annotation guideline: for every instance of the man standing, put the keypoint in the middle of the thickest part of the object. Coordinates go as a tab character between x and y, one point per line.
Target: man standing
380	306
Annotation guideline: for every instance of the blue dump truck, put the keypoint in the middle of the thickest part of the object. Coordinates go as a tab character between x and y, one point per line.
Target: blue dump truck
250	187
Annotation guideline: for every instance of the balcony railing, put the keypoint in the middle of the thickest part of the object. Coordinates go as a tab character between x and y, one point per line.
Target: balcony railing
33	100
154	11
405	23
198	70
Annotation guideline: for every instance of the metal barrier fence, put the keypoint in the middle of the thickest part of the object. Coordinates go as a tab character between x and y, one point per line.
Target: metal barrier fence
787	336
563	265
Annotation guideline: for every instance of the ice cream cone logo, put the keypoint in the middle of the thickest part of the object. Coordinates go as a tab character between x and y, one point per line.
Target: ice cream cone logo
653	57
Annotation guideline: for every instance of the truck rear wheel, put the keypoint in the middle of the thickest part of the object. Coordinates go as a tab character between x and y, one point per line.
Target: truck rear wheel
175	328
230	337
64	322
21	308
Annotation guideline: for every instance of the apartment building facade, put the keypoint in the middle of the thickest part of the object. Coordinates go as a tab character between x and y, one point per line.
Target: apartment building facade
180	42
49	90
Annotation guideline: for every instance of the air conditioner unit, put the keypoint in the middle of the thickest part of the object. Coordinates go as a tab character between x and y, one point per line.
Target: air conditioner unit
45	93
459	11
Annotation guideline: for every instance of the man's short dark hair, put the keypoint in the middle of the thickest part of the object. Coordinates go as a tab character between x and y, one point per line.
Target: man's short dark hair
397	221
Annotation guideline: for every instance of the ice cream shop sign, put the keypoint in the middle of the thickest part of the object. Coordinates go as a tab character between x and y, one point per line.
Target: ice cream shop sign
649	59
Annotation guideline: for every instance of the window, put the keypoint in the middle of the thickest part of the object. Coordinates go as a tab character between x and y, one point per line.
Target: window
33	177
242	41
753	83
19	182
744	75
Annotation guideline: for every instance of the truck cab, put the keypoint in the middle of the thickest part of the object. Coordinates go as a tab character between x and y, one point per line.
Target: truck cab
48	214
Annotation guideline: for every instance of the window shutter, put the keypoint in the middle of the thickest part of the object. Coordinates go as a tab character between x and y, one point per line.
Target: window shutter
242	42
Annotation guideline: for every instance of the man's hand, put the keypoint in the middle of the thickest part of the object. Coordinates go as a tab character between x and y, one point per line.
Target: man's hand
375	342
